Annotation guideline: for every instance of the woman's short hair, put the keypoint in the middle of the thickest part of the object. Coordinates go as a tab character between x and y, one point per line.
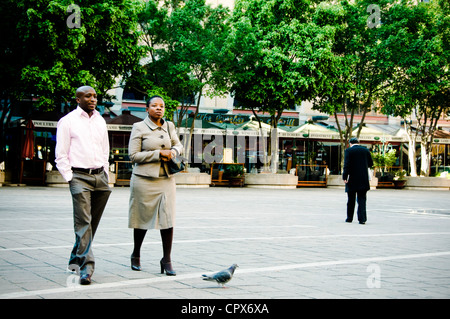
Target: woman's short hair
152	97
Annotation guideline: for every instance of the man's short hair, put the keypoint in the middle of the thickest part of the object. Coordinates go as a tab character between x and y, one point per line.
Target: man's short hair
353	140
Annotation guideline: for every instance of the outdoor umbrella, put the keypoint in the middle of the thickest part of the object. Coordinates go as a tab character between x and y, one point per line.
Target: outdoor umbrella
28	147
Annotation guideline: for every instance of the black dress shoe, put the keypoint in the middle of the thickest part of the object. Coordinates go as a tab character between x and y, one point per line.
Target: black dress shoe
348	221
167	267
135	263
85	279
362	223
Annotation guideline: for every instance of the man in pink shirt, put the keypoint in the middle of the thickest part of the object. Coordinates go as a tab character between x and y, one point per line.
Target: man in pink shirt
82	152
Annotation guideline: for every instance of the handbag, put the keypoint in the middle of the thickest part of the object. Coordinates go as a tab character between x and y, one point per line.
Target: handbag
176	164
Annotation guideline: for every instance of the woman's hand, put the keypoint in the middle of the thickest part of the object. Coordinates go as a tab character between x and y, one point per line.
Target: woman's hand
165	155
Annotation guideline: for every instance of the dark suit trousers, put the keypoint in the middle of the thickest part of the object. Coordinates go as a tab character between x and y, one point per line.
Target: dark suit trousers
362	198
90	193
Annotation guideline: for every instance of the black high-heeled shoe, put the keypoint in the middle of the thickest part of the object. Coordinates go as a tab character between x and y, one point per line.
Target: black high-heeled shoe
167	267
135	263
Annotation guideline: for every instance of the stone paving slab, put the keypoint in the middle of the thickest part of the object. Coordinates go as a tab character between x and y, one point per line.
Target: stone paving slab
289	244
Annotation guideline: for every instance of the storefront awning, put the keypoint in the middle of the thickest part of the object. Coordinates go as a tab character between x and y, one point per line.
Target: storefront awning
254	126
311	130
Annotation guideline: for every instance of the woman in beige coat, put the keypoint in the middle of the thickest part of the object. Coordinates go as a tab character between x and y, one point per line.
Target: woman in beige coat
153	142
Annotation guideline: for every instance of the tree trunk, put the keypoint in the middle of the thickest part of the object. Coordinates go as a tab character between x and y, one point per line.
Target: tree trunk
411	148
341	138
274	142
425	155
187	144
262	141
274	150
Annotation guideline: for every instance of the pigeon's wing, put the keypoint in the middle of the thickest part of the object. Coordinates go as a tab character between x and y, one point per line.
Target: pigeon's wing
222	276
210	278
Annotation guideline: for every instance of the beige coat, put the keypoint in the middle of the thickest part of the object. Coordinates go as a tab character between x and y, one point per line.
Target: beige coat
146	141
152	188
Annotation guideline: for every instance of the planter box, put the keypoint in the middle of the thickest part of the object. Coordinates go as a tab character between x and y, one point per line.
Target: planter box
55	179
373	182
111	179
437	183
336	181
270	180
399	184
219	175
192	180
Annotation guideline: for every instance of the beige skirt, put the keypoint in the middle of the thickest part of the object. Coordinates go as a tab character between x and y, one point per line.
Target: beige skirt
152	202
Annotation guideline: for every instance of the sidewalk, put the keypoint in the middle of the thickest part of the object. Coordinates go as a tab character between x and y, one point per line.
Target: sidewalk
288	244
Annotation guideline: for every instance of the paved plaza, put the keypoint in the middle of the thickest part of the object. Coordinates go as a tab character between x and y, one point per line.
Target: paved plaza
288	243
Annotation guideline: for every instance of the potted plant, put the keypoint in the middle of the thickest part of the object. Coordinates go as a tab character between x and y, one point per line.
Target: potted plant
384	160
235	174
399	179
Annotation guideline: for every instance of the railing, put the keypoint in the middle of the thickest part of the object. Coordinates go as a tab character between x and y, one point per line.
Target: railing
312	175
123	172
217	178
386	176
32	171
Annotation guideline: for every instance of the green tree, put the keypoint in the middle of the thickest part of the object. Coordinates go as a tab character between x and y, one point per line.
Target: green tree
186	52
195	49
358	72
153	77
417	37
278	57
45	55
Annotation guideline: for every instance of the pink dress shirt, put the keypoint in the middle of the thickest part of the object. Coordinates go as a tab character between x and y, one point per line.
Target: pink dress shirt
82	142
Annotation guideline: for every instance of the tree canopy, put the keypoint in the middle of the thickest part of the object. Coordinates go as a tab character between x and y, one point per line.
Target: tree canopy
44	56
279	56
269	54
279	53
417	42
47	52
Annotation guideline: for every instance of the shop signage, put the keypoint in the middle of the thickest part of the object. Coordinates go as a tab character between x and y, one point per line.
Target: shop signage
220	118
118	127
208	131
46	124
241	119
53	124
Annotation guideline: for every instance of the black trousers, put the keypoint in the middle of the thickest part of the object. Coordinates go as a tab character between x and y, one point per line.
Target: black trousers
361	196
90	193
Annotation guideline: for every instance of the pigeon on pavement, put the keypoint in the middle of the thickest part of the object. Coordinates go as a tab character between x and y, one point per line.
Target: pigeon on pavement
221	277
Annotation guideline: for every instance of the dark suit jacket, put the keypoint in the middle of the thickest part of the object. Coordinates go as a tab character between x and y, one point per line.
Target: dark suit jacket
357	160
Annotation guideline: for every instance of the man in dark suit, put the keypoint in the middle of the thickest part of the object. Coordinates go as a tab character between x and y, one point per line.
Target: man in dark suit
357	161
